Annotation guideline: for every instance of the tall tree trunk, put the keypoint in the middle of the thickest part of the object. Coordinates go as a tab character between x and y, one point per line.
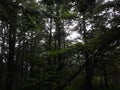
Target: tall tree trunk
50	62
12	27
58	31
89	75
88	67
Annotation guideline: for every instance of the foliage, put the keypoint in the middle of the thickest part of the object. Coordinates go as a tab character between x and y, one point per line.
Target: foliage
36	54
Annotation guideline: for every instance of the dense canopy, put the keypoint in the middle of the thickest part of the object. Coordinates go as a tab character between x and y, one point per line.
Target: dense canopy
59	45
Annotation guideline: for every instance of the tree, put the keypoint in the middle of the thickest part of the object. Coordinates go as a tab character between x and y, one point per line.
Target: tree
36	52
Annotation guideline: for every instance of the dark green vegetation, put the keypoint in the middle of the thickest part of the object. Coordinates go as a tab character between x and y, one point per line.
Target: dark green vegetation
36	54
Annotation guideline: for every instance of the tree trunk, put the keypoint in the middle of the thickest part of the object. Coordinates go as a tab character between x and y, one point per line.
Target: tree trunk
10	63
88	67
12	40
89	74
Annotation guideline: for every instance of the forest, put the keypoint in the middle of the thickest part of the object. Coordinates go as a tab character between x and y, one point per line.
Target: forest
59	44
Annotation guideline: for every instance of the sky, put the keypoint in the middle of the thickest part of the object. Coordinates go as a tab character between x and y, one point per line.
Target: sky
75	34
